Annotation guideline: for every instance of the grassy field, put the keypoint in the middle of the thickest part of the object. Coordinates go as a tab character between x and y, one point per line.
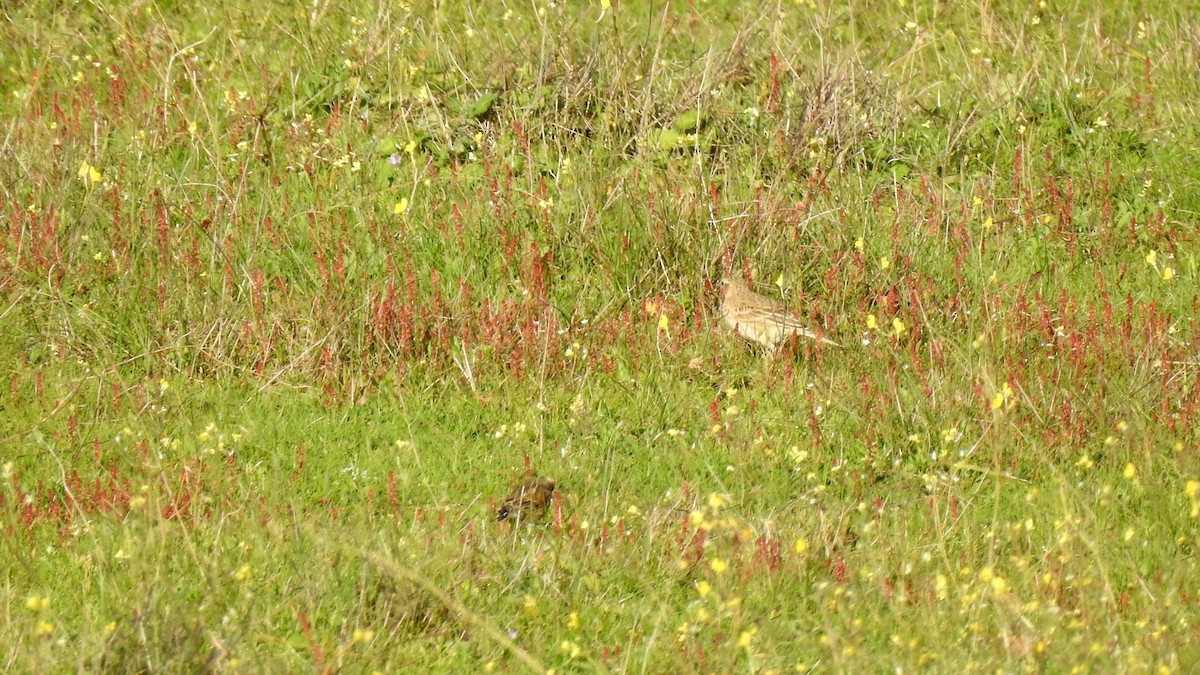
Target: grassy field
291	294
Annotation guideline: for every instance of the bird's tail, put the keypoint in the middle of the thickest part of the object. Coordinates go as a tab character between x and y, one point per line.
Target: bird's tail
810	334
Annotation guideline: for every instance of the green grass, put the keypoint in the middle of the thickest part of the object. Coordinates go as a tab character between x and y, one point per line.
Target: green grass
291	295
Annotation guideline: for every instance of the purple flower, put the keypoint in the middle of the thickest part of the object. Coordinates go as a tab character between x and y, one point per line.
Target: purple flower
394	159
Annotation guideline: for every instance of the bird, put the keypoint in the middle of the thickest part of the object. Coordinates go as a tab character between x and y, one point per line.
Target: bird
532	496
759	318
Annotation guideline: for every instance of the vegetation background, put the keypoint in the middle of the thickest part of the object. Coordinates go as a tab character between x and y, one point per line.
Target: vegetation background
292	293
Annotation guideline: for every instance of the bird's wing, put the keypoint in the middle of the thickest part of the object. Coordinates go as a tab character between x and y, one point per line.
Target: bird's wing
791	323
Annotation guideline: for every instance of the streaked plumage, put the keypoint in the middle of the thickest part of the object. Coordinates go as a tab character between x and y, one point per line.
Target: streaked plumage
530	498
759	318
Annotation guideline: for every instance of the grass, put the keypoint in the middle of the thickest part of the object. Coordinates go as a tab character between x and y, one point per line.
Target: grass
290	296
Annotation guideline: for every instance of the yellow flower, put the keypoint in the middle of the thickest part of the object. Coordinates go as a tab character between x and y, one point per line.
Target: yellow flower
37	604
1152	258
1130	471
872	324
1192	488
1002	396
410	147
662	322
858	244
573	620
884	263
362	635
718	565
800	546
898	326
88	173
745	637
703	588
242	573
941	586
44	628
999	585
715	501
1168	273
401	206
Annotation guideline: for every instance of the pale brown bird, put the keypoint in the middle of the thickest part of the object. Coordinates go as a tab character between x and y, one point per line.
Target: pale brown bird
529	498
759	318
